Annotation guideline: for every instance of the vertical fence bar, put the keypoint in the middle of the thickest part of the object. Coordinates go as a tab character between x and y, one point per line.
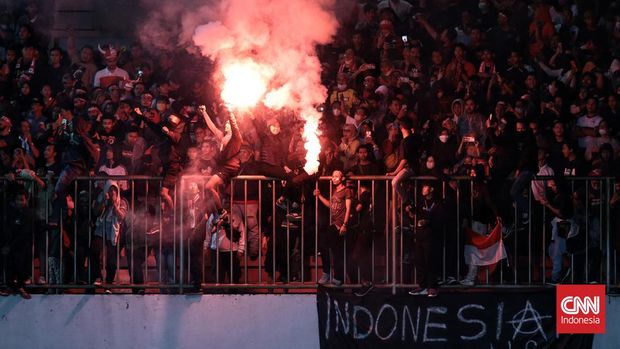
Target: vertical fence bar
75	233
260	230
161	233
181	236
372	258
245	226
133	218
387	230
529	238
544	247
587	198
458	228
394	240
273	231
146	229
608	245
316	234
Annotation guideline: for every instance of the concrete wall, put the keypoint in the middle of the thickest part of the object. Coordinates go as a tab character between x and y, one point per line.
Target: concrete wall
153	321
187	322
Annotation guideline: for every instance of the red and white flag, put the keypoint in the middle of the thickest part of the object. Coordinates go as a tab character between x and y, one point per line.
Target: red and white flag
484	249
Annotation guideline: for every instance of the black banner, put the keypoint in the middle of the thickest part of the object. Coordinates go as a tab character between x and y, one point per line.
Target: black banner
498	319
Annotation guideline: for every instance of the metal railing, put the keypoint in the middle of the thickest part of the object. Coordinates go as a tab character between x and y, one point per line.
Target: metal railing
278	235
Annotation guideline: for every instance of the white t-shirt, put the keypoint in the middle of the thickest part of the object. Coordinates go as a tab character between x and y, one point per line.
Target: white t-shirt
589	122
105	77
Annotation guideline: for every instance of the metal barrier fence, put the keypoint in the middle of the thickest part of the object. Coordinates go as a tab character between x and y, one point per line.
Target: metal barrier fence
278	235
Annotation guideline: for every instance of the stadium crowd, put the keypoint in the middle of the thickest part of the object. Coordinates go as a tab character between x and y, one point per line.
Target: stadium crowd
497	90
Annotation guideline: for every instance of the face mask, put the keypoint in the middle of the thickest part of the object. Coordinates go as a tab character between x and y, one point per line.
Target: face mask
602	131
444	138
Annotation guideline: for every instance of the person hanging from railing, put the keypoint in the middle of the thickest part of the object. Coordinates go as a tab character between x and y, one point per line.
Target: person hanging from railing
409	163
111	209
332	241
79	153
245	205
172	142
227	162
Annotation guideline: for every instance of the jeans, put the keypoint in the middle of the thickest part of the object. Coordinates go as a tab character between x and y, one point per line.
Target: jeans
239	214
67	176
557	247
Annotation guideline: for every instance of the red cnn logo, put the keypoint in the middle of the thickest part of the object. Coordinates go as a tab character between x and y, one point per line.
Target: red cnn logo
580	308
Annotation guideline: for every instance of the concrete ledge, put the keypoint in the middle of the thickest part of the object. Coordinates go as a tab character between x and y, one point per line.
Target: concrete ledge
160	321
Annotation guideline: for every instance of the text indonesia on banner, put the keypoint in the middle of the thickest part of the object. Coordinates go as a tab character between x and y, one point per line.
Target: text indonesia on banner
523	319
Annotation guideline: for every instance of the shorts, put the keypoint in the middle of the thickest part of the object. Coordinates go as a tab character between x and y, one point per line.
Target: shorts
171	175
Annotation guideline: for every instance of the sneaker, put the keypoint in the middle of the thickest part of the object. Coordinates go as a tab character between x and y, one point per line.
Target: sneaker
97	282
4	293
108	291
418	291
324	279
467	282
293	217
41	281
28	281
23	293
432	293
364	290
282	202
336	282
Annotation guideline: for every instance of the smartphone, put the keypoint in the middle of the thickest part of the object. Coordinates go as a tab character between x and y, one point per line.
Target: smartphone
469	139
405	39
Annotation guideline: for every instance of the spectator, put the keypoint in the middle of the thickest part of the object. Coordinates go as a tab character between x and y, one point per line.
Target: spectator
111	209
332	251
111	74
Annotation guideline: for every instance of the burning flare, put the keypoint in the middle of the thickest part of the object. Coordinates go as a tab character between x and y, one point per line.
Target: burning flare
265	51
245	83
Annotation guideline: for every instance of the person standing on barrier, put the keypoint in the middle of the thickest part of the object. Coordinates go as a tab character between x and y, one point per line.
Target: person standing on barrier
409	161
332	250
78	150
111	209
227	161
428	218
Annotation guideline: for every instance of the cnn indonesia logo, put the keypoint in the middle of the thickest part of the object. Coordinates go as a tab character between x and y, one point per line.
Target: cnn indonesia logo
580	308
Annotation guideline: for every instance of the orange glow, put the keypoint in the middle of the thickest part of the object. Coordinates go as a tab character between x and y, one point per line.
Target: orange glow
245	83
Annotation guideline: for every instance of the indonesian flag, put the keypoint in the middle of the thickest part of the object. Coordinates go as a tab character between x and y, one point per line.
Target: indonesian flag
484	250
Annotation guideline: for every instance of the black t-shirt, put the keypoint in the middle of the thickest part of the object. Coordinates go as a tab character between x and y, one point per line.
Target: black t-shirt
410	149
573	168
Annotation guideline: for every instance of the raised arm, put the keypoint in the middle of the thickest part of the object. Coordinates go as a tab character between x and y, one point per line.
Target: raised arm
216	132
